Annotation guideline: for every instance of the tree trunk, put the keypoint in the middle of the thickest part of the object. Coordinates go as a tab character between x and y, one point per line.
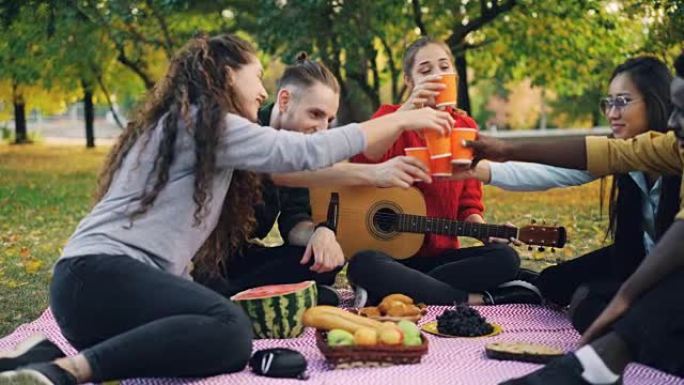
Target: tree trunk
20	130
110	103
462	69
89	114
543	116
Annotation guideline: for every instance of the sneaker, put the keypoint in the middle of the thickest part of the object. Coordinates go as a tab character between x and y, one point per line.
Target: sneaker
513	292
45	373
327	295
360	297
32	350
565	370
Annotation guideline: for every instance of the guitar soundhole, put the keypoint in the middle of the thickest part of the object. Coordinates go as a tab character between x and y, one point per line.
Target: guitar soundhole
384	220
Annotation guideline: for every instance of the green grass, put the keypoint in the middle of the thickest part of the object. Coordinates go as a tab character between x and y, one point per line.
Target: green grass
45	190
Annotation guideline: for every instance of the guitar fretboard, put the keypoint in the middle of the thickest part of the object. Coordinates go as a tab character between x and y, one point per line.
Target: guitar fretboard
418	224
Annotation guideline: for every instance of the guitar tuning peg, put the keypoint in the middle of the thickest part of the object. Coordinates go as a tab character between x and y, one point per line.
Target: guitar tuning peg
553	250
544	223
541	248
529	248
533	221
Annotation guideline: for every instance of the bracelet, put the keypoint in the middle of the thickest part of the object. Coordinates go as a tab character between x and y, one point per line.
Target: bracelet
326	225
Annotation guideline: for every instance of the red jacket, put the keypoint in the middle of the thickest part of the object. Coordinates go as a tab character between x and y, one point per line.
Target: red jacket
444	199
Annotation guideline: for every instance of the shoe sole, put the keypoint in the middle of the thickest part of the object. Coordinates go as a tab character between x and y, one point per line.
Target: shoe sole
23	347
360	297
24	377
525	284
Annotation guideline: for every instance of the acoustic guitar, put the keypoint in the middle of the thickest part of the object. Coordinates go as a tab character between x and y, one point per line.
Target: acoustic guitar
394	221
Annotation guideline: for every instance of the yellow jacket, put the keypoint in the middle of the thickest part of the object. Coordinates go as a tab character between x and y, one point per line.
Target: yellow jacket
652	152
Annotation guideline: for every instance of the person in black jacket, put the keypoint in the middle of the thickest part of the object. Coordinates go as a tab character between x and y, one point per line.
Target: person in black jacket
307	101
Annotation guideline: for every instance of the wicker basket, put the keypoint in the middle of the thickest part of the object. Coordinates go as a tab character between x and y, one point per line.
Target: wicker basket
343	357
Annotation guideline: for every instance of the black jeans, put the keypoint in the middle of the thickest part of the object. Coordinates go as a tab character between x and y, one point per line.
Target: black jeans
259	266
439	280
132	320
558	283
653	326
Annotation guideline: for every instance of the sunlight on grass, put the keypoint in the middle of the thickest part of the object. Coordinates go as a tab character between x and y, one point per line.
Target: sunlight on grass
44	192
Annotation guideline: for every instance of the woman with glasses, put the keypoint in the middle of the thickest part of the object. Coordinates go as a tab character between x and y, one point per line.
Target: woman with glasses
641	208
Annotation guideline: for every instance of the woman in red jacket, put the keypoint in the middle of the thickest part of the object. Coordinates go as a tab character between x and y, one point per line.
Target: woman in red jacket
440	273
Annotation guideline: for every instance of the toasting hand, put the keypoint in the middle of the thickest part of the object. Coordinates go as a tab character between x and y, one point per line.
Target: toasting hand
486	147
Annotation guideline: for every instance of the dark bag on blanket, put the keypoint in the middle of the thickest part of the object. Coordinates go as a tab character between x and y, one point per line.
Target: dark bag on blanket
279	362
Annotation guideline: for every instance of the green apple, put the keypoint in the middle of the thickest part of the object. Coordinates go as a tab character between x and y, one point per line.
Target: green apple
413	341
339	337
409	328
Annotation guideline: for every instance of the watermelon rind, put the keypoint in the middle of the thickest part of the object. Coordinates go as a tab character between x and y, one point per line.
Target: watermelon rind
276	311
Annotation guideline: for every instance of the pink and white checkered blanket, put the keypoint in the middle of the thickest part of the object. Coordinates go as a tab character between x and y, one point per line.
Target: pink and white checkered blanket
452	361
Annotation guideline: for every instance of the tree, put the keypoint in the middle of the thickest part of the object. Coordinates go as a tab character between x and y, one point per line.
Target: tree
143	32
19	48
456	23
79	54
570	48
361	42
664	20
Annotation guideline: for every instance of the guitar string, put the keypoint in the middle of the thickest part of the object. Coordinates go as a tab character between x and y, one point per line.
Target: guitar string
474	227
382	215
393	215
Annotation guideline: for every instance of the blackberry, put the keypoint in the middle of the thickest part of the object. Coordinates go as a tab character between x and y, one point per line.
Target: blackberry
463	321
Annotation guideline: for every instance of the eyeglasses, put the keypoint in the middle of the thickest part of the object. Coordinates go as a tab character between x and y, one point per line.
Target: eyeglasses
619	102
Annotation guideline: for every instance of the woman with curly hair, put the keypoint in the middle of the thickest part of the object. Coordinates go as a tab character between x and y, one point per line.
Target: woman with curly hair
121	292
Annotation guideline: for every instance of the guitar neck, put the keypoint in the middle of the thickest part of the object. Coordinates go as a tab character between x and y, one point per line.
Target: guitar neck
407	223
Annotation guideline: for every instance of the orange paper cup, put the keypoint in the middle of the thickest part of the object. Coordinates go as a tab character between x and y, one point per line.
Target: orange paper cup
420	153
449	95
440	165
462	156
437	144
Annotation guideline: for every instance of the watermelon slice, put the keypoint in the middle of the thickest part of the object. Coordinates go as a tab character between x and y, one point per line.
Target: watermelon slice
276	310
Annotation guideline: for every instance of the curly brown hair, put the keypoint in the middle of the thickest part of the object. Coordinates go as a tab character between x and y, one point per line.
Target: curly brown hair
198	76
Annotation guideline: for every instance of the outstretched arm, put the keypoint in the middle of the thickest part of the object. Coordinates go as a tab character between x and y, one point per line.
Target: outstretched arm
248	146
571	153
650	152
524	176
401	171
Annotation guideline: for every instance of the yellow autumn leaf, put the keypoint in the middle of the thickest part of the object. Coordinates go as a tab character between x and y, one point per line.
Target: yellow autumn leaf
32	266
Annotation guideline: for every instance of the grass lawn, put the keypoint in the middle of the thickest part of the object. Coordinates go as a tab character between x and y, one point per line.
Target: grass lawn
45	190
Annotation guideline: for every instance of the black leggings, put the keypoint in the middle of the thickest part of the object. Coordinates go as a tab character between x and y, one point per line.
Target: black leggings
439	280
259	266
558	283
131	320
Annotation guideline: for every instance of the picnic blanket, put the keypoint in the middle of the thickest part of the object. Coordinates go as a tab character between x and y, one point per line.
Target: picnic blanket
452	361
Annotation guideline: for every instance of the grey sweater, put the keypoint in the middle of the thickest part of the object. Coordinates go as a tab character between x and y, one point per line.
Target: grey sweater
164	237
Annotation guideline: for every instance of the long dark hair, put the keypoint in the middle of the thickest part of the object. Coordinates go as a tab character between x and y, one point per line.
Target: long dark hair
198	76
652	78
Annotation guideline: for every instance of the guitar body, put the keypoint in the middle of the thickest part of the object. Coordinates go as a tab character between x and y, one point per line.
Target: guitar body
393	220
362	211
